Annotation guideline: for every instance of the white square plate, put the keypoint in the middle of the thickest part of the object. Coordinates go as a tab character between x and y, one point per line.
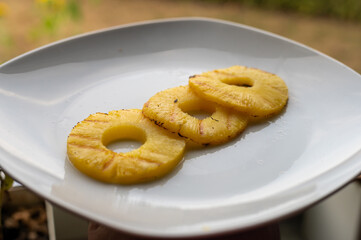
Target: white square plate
273	169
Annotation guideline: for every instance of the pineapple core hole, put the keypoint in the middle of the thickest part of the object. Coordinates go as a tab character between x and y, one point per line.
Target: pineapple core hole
199	114
123	139
198	109
239	82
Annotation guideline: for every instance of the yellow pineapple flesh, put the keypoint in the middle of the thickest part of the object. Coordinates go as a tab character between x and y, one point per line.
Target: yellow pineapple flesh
249	90
86	147
170	108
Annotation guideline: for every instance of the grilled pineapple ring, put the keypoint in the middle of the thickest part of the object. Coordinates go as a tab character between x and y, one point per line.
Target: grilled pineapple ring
169	109
248	90
159	154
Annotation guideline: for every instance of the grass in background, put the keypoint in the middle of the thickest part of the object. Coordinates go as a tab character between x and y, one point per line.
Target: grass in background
53	13
340	9
26	25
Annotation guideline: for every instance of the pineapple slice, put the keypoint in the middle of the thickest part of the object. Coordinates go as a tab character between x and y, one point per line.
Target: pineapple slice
170	108
86	147
249	90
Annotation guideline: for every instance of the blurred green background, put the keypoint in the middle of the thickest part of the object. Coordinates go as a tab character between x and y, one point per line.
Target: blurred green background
330	26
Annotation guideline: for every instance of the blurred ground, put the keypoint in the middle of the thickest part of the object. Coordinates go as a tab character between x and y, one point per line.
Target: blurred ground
22	27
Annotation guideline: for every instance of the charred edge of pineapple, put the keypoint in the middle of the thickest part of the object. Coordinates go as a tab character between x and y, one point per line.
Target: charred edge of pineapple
180	135
160	124
214	119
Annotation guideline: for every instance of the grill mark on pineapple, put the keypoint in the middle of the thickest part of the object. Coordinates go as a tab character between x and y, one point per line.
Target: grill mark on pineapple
173	115
145	160
228	123
82	136
87	147
200	127
109	162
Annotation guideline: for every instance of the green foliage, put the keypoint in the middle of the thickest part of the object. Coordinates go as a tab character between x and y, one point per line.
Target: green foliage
54	13
342	9
5	37
73	9
6	183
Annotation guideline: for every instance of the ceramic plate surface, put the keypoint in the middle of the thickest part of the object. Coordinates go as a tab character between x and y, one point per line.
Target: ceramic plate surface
271	170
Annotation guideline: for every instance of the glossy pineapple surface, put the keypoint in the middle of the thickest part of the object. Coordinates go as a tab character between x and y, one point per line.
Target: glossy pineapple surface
87	148
171	110
248	90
